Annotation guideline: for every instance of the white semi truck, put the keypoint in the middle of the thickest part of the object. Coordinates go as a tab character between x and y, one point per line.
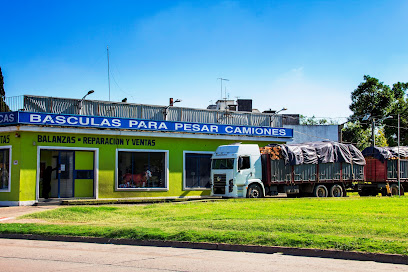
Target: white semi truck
313	169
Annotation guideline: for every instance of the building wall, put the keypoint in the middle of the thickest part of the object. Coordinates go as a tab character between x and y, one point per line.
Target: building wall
26	149
13	141
309	133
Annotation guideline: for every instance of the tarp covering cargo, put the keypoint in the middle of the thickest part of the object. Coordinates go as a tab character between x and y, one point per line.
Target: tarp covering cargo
385	153
320	152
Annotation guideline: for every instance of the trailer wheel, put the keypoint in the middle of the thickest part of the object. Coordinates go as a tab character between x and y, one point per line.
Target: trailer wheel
320	191
384	192
394	190
336	191
254	191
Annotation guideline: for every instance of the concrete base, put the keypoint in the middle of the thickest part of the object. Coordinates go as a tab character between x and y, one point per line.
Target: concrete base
17	203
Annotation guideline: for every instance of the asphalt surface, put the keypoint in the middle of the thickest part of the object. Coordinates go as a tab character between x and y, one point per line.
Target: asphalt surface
31	255
10	214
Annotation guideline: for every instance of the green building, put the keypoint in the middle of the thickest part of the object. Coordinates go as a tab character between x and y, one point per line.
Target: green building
68	148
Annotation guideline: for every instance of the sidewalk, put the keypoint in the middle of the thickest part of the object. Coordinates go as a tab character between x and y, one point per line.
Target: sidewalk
9	214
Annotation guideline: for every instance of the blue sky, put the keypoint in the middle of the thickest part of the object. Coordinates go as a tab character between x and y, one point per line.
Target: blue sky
307	56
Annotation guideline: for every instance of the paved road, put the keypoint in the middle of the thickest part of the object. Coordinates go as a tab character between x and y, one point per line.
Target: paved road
29	255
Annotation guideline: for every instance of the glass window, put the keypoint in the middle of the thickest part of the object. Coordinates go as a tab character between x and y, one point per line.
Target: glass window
223	163
243	163
4	169
197	170
141	170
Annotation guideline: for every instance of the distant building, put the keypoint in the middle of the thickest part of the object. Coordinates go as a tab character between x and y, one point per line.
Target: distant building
313	133
291	119
302	133
226	105
244	105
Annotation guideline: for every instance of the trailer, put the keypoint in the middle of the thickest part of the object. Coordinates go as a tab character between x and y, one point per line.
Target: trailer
317	169
381	171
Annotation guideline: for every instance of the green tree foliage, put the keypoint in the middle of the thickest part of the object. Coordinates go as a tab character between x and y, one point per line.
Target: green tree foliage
378	100
354	133
3	106
310	121
400	106
371	97
2	92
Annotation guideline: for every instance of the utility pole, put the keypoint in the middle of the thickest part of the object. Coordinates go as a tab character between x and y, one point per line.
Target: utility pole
107	51
373	131
399	162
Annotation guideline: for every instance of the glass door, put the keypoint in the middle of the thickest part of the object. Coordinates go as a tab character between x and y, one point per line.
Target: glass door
65	174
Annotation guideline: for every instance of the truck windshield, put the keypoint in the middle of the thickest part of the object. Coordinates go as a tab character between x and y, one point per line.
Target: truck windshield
222	163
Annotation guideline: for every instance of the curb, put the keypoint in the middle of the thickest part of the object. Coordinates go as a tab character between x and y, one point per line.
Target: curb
77	202
333	254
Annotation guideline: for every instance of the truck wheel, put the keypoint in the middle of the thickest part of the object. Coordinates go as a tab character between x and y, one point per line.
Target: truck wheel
336	191
254	191
384	192
394	190
320	191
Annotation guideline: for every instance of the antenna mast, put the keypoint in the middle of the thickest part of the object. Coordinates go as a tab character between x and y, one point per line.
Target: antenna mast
107	51
222	79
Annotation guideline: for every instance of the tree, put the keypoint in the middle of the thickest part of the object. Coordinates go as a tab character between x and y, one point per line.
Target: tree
2	93
400	106
373	98
3	106
310	121
353	133
379	101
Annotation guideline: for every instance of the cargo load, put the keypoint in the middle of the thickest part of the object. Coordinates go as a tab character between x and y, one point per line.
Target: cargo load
315	153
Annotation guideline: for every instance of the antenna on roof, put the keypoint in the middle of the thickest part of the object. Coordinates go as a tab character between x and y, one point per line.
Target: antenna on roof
222	79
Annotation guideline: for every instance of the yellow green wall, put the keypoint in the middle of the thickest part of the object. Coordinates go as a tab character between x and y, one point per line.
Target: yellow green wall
24	174
15	141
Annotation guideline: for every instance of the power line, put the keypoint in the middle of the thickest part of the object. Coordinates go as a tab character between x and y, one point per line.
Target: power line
394	126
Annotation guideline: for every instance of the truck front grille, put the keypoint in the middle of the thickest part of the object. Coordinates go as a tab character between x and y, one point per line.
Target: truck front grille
220	181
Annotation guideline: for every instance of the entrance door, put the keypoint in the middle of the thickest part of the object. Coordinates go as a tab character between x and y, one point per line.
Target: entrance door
65	174
72	173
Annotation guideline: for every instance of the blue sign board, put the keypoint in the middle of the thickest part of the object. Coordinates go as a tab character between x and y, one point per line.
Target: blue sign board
8	118
147	125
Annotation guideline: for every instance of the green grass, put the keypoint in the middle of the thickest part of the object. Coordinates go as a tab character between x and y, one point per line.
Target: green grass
370	224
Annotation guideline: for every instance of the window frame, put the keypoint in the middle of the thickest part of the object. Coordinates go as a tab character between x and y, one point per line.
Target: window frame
166	166
185	188
8	190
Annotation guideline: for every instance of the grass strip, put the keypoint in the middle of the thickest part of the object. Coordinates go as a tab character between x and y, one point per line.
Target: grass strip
372	224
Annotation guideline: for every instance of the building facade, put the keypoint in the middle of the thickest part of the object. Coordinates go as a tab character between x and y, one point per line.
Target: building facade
62	148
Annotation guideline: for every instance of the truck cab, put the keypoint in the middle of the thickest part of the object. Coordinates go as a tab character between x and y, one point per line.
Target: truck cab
236	171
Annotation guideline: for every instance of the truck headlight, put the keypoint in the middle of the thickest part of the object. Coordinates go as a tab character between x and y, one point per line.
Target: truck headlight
231	185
